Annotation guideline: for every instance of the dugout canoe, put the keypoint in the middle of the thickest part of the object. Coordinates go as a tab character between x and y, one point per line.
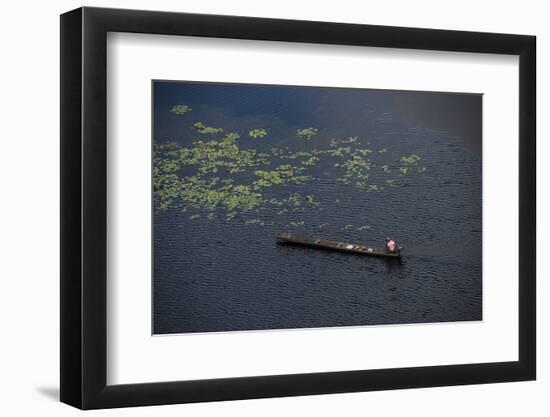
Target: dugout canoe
291	239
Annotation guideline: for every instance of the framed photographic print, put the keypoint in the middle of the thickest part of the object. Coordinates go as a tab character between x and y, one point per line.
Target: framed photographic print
258	208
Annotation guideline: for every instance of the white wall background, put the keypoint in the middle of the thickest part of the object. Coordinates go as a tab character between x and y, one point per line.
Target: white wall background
29	226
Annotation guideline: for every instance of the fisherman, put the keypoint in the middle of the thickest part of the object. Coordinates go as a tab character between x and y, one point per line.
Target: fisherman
391	247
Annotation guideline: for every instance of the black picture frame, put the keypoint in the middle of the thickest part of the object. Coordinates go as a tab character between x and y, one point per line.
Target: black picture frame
84	207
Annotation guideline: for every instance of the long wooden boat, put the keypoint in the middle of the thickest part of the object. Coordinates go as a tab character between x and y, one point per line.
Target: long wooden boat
289	238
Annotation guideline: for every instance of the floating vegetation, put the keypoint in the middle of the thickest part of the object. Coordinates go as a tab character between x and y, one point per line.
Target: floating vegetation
206	130
257	133
217	177
180	109
268	178
356	168
412	159
230	215
310	161
307	133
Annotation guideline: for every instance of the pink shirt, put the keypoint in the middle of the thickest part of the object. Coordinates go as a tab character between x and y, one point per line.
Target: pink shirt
391	245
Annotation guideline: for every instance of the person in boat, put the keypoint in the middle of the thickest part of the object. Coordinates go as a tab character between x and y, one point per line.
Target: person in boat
391	246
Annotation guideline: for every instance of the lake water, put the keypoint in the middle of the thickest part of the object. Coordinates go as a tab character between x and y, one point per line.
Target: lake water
219	274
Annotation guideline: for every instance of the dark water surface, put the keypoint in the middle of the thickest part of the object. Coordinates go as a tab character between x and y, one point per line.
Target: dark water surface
224	275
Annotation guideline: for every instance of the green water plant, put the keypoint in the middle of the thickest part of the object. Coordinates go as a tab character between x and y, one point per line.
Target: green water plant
206	130
409	160
216	177
257	133
180	109
306	133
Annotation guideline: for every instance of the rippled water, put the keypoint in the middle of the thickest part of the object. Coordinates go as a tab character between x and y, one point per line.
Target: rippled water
217	275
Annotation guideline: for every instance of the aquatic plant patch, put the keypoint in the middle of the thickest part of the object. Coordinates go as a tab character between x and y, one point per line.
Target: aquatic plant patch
222	176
